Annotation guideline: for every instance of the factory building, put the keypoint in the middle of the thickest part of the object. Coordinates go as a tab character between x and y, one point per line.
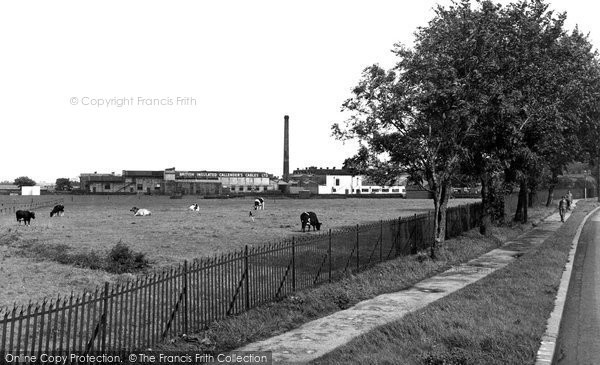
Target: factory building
173	182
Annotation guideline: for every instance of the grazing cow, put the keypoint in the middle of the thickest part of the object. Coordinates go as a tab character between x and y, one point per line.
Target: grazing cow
25	216
58	210
195	207
140	212
309	219
259	203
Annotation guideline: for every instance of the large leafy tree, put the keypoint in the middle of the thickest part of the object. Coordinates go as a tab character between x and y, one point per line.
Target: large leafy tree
486	91
63	184
24	181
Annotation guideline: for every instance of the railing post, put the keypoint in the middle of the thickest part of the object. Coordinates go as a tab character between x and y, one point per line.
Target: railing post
185	297
468	209
380	240
104	316
293	264
329	254
247	283
414	233
357	251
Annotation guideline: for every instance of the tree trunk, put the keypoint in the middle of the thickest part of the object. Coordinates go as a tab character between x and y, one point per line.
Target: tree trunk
484	228
440	202
521	213
531	198
550	195
553	182
525	205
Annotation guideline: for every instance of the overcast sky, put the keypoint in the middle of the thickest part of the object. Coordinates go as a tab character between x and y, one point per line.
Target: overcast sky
201	85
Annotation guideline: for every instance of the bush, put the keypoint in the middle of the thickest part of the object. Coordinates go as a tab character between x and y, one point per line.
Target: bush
121	259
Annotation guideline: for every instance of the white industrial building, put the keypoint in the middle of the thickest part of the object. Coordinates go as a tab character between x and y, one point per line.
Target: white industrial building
348	184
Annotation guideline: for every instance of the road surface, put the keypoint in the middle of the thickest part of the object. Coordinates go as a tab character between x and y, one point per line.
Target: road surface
579	337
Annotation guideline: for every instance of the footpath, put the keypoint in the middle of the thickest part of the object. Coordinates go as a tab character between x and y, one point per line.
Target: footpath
315	339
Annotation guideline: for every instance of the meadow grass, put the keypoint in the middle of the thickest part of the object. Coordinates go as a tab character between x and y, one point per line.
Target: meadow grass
395	275
92	225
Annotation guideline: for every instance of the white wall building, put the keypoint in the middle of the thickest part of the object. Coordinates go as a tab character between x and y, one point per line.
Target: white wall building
30	190
347	184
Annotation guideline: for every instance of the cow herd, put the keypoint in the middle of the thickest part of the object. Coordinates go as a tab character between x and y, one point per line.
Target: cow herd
307	219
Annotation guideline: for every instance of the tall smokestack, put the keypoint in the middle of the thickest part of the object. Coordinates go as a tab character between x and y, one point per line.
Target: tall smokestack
286	148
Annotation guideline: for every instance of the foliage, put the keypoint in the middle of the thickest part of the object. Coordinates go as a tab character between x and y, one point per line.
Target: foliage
493	93
63	184
24	181
122	259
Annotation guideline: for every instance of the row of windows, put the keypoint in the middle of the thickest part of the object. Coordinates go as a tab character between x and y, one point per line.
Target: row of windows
248	188
333	190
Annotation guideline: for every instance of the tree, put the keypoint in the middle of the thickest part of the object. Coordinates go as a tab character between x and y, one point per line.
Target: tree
63	184
24	181
487	91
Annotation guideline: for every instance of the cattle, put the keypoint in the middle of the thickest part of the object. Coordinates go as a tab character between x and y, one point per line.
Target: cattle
140	212
25	216
259	203
309	219
58	210
194	207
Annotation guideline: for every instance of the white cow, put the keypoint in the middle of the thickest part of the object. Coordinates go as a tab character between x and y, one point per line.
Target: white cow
140	212
194	207
259	203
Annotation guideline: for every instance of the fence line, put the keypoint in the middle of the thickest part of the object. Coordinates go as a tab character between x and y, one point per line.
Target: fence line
187	298
12	208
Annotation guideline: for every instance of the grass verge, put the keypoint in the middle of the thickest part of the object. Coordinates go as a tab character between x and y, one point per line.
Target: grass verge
278	317
497	320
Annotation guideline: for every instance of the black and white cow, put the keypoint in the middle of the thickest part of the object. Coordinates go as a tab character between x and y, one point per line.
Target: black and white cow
140	212
309	219
194	207
26	216
259	203
58	210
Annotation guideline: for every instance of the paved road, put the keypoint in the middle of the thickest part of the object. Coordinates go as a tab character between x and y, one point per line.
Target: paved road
579	337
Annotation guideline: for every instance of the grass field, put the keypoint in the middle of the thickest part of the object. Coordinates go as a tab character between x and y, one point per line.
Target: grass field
170	235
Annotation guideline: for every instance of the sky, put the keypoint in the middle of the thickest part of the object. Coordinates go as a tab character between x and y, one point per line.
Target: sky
106	86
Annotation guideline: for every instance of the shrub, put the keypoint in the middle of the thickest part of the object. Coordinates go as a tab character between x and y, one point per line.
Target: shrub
121	259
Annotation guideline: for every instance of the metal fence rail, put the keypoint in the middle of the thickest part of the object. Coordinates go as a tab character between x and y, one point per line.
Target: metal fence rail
189	297
6	208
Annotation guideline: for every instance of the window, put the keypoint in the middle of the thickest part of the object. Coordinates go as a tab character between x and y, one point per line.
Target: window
333	190
240	188
375	190
395	190
107	186
140	186
385	190
365	190
337	182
